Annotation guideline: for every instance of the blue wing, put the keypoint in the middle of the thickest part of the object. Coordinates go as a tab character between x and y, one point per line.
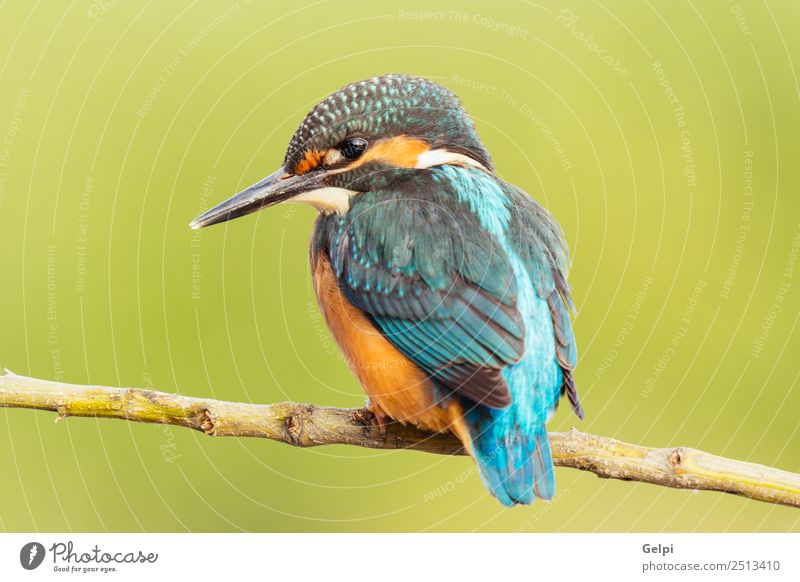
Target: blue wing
439	288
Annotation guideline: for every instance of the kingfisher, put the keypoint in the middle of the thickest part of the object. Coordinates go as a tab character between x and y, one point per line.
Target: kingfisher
444	286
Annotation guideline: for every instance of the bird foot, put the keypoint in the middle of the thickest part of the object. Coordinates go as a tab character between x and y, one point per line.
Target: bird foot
379	417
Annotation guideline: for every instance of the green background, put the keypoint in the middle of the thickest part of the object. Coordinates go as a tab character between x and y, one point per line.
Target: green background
662	135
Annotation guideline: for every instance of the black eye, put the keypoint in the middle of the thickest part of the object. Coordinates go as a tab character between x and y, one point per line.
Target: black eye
353	148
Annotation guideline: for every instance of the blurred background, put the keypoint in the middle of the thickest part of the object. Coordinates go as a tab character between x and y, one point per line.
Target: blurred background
662	135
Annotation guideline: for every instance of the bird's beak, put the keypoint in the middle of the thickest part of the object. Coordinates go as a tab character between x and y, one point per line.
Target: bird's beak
273	189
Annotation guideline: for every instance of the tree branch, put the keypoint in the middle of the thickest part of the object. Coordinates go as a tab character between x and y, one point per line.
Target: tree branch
308	425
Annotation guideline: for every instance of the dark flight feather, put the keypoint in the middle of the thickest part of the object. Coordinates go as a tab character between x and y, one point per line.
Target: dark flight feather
539	240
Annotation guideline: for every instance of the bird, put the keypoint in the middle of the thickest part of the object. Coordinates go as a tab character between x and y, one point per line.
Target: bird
444	286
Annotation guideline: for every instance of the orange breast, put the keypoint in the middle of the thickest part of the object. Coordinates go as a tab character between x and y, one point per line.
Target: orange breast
393	382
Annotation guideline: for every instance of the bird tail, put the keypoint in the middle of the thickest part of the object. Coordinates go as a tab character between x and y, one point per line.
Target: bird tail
515	467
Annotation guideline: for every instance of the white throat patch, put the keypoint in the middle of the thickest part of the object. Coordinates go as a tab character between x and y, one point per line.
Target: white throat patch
327	199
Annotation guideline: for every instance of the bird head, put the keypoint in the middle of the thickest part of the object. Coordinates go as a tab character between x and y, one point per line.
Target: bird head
364	137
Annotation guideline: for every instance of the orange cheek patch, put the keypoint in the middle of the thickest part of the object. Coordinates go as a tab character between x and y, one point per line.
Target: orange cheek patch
400	151
311	160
